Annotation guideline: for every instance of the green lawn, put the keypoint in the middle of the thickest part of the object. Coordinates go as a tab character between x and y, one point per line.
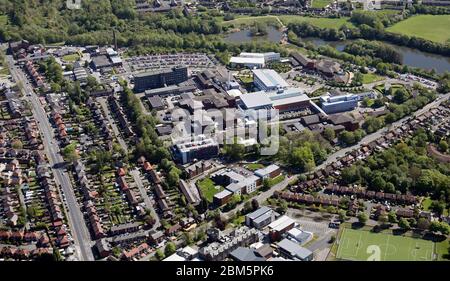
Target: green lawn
370	78
431	27
319	22
443	250
246	80
71	58
208	188
320	3
254	166
364	245
426	203
286	19
276	180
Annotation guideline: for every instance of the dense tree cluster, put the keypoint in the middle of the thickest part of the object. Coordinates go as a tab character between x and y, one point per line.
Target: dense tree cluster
303	150
374	49
148	144
404	167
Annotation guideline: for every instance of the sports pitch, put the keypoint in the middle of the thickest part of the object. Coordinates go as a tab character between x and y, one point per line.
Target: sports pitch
361	245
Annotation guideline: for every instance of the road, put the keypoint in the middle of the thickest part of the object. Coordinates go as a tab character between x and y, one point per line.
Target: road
76	221
369	138
262	197
135	172
104	105
138	180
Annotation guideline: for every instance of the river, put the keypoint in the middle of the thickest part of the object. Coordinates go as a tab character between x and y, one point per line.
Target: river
410	57
245	35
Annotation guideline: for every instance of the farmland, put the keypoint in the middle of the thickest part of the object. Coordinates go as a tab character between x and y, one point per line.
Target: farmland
431	27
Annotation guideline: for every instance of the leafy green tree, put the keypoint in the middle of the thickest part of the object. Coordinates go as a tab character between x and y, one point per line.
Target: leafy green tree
392	217
362	218
401	95
443	145
404	224
342	215
329	134
169	249
70	153
159	254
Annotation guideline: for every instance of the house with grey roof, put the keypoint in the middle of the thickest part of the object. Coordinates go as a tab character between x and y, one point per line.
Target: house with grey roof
291	250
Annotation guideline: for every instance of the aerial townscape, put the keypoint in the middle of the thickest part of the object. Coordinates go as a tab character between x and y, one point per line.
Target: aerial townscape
225	130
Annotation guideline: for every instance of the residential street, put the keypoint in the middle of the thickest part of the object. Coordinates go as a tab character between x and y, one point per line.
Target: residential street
75	216
148	203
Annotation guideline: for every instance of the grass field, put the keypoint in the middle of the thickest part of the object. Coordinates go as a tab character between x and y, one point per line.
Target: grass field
432	27
364	245
320	3
426	203
443	250
208	189
254	166
71	58
286	19
370	78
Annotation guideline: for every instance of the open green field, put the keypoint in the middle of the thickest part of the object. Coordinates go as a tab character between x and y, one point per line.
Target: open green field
370	78
286	19
319	22
254	166
71	58
364	245
208	188
431	27
443	250
320	3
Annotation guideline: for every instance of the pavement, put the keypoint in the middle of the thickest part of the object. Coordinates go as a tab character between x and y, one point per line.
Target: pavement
135	172
104	105
76	221
149	204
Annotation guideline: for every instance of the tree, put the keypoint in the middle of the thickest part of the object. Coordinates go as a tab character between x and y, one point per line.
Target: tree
404	224
70	153
347	137
266	185
16	144
438	207
392	217
443	145
234	151
169	249
329	134
441	227
159	254
401	95
187	237
342	215
423	224
173	177
303	157
362	218
255	204
247	207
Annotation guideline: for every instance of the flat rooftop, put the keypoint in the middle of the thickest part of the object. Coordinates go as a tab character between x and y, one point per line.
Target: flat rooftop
270	78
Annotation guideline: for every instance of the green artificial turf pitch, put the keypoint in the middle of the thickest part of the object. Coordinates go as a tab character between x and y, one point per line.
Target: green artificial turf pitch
363	245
